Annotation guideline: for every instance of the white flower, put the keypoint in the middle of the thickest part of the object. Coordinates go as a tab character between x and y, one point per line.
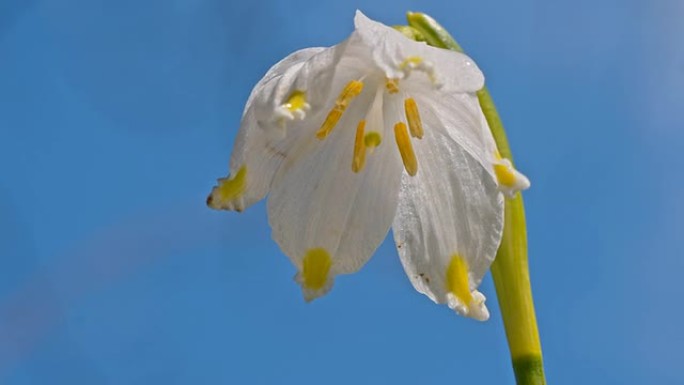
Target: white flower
374	132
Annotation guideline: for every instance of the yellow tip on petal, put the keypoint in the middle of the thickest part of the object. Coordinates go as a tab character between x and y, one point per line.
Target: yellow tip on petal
457	279
413	118
296	101
405	148
510	180
350	91
228	191
504	174
503	169
315	269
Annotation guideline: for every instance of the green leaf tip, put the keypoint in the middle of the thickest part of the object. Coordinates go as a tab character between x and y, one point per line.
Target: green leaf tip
410	32
435	35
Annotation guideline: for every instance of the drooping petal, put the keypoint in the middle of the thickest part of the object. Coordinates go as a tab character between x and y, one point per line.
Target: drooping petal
397	56
280	113
449	223
462	118
256	156
332	209
290	64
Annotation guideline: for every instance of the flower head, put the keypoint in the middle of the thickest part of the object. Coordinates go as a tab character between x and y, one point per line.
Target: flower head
378	131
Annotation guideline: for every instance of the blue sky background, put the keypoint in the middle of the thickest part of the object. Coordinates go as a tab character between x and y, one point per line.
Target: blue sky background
117	116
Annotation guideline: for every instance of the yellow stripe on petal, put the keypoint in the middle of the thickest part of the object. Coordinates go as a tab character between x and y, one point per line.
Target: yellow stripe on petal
413	118
351	90
457	279
405	148
359	148
315	268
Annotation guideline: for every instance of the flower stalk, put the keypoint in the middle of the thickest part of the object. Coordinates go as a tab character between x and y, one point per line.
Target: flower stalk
510	269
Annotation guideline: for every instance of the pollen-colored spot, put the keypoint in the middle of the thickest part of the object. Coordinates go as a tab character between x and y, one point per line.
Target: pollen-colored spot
413	118
315	268
350	91
405	148
372	139
296	101
457	279
359	148
392	85
230	188
505	175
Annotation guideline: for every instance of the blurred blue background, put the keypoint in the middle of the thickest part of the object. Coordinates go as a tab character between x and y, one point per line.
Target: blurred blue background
117	116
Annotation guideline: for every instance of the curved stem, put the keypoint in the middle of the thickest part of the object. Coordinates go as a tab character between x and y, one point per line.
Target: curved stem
510	269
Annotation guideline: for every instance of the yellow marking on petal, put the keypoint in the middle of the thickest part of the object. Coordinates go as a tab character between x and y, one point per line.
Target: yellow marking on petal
417	62
231	188
372	139
359	148
413	118
296	101
350	91
392	85
410	61
315	268
457	279
504	175
405	148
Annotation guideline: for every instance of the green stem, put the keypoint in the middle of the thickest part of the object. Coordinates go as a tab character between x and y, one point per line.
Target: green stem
510	269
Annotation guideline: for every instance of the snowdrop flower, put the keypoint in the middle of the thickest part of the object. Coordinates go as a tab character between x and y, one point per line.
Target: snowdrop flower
378	131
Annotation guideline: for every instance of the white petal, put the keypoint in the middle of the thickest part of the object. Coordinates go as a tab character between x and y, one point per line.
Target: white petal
267	140
392	51
314	76
460	117
322	203
289	64
450	208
